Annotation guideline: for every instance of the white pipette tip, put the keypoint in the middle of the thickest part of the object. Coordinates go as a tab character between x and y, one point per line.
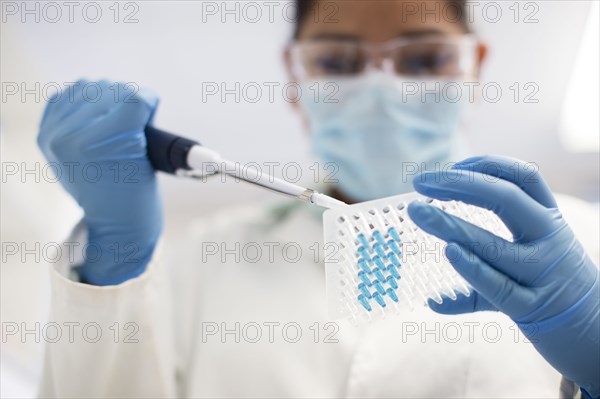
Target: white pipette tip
207	161
327	201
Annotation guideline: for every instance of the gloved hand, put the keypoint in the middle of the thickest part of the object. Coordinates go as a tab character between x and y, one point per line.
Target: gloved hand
543	280
94	132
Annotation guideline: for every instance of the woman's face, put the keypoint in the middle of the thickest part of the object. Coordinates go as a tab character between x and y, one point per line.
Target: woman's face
346	37
373	125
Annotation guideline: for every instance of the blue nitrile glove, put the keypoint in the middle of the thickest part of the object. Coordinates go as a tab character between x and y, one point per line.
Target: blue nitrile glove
544	280
94	132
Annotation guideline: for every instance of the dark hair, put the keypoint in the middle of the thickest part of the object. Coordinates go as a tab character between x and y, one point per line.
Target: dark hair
304	8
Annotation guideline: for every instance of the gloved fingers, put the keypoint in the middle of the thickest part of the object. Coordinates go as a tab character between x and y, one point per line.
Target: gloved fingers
55	108
503	255
462	304
76	98
525	218
121	107
91	130
56	105
86	102
497	288
524	174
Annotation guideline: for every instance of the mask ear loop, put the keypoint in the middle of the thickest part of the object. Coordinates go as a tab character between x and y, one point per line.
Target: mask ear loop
468	59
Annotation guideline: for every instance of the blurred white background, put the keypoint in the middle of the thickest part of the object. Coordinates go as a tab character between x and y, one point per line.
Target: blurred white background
175	47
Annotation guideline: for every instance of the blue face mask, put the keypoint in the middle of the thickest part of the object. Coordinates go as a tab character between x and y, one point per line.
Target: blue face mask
380	130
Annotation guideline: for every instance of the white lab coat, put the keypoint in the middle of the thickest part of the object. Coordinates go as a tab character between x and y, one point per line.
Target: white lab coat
183	312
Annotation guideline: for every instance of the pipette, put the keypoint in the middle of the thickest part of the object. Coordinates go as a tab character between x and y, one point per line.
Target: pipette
178	155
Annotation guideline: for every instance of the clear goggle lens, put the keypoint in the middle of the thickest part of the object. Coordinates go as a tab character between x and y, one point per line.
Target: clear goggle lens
442	57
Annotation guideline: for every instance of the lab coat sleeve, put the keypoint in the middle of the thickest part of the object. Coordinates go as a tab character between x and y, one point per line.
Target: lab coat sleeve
569	390
115	341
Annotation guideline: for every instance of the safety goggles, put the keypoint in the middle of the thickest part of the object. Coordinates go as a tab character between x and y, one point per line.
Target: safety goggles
435	56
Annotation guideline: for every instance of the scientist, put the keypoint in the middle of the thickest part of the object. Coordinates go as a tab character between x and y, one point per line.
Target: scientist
176	322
